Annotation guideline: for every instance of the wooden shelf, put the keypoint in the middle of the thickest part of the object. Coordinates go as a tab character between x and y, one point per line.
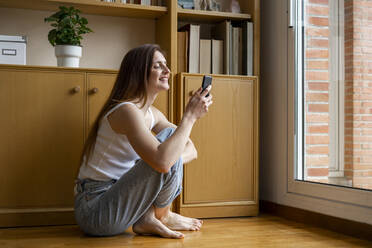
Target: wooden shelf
94	7
209	16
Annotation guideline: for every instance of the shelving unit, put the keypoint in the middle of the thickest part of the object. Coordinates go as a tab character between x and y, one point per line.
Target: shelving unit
171	103
91	7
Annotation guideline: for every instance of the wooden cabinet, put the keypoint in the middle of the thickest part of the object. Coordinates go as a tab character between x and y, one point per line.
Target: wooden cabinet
42	130
47	113
223	181
42	112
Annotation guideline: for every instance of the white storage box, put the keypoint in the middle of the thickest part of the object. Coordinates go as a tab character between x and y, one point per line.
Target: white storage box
13	49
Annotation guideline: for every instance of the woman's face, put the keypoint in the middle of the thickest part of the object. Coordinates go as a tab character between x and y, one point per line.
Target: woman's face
159	75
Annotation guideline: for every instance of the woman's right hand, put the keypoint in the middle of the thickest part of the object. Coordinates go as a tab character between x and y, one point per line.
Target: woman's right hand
198	104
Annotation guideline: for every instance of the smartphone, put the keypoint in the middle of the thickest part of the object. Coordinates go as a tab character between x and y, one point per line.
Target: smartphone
207	80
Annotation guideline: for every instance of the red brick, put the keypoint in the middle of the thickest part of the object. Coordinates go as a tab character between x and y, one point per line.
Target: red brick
317	53
318	129
317	118
317	32
316	172
318	108
317	150
318	86
367	118
317	75
317	161
317	10
317	140
318	21
363	139
366	146
314	43
317	64
324	2
319	97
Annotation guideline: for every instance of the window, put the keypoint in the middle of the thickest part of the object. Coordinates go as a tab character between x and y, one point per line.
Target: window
331	49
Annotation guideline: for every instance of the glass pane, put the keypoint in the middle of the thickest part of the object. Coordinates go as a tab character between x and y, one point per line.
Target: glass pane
334	92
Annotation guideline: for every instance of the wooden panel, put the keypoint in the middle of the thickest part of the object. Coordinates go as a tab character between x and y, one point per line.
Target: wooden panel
98	91
41	135
91	7
224	177
220	211
209	16
223	139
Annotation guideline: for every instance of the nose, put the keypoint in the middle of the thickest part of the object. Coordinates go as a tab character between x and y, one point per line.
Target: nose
166	69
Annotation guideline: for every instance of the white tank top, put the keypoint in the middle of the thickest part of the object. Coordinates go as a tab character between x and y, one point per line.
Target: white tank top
113	155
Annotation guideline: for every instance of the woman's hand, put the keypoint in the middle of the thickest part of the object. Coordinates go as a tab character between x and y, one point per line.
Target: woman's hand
198	104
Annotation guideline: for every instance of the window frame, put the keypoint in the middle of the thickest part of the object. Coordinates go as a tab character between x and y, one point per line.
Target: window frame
337	90
334	193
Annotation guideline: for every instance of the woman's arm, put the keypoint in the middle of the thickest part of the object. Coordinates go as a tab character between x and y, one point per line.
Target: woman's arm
129	120
190	153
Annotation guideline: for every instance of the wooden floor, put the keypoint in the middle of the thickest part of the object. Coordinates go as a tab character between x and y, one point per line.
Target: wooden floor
262	231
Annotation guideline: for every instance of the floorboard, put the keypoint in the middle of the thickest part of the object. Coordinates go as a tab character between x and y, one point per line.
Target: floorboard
262	231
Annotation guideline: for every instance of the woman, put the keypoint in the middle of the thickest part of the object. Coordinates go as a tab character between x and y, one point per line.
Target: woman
129	177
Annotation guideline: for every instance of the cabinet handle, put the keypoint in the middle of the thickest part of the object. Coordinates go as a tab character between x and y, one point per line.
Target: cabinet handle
94	90
76	89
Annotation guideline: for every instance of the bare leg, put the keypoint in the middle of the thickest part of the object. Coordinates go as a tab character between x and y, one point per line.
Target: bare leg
177	222
148	224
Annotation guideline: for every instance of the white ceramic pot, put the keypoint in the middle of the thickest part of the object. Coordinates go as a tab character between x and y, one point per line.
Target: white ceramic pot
67	55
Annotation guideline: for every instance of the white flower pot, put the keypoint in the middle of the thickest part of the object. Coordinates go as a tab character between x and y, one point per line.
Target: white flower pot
67	55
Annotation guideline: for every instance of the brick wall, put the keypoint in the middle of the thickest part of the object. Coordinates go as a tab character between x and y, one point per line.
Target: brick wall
358	105
358	91
316	105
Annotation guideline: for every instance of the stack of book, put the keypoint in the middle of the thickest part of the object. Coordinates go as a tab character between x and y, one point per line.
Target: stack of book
141	2
229	50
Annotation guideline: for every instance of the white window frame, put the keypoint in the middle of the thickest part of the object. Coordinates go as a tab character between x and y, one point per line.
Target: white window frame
337	90
297	189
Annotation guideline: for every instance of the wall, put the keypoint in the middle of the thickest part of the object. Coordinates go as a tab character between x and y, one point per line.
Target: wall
358	103
274	159
105	48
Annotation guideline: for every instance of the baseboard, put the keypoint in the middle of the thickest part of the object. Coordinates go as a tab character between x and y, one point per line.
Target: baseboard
348	227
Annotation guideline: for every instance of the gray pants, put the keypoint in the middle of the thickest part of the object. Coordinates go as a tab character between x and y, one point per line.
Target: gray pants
105	208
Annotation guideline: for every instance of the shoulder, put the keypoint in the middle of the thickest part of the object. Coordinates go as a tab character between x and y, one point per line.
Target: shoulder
126	117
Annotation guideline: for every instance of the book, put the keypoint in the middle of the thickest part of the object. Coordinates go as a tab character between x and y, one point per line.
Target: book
193	46
205	57
247	40
235	51
217	56
182	44
222	31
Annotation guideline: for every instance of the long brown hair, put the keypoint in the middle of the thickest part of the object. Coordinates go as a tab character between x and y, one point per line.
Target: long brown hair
130	84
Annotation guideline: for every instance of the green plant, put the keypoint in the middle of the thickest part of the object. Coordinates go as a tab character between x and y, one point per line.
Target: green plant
68	27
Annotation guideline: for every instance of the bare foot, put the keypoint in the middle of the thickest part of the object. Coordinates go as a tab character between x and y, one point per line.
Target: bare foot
148	224
178	222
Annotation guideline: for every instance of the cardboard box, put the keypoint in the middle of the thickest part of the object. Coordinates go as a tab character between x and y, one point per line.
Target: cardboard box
13	49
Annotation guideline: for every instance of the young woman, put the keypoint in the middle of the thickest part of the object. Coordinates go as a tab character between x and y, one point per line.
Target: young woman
128	176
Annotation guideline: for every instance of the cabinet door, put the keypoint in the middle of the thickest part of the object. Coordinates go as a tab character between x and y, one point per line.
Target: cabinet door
223	180
41	134
99	89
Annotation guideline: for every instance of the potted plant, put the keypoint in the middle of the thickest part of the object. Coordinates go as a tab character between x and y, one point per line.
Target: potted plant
67	34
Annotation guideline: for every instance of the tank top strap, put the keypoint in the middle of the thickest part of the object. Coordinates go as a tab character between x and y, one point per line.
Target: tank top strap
116	107
152	118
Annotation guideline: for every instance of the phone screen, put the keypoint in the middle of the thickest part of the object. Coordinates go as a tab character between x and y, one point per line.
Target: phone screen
207	80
